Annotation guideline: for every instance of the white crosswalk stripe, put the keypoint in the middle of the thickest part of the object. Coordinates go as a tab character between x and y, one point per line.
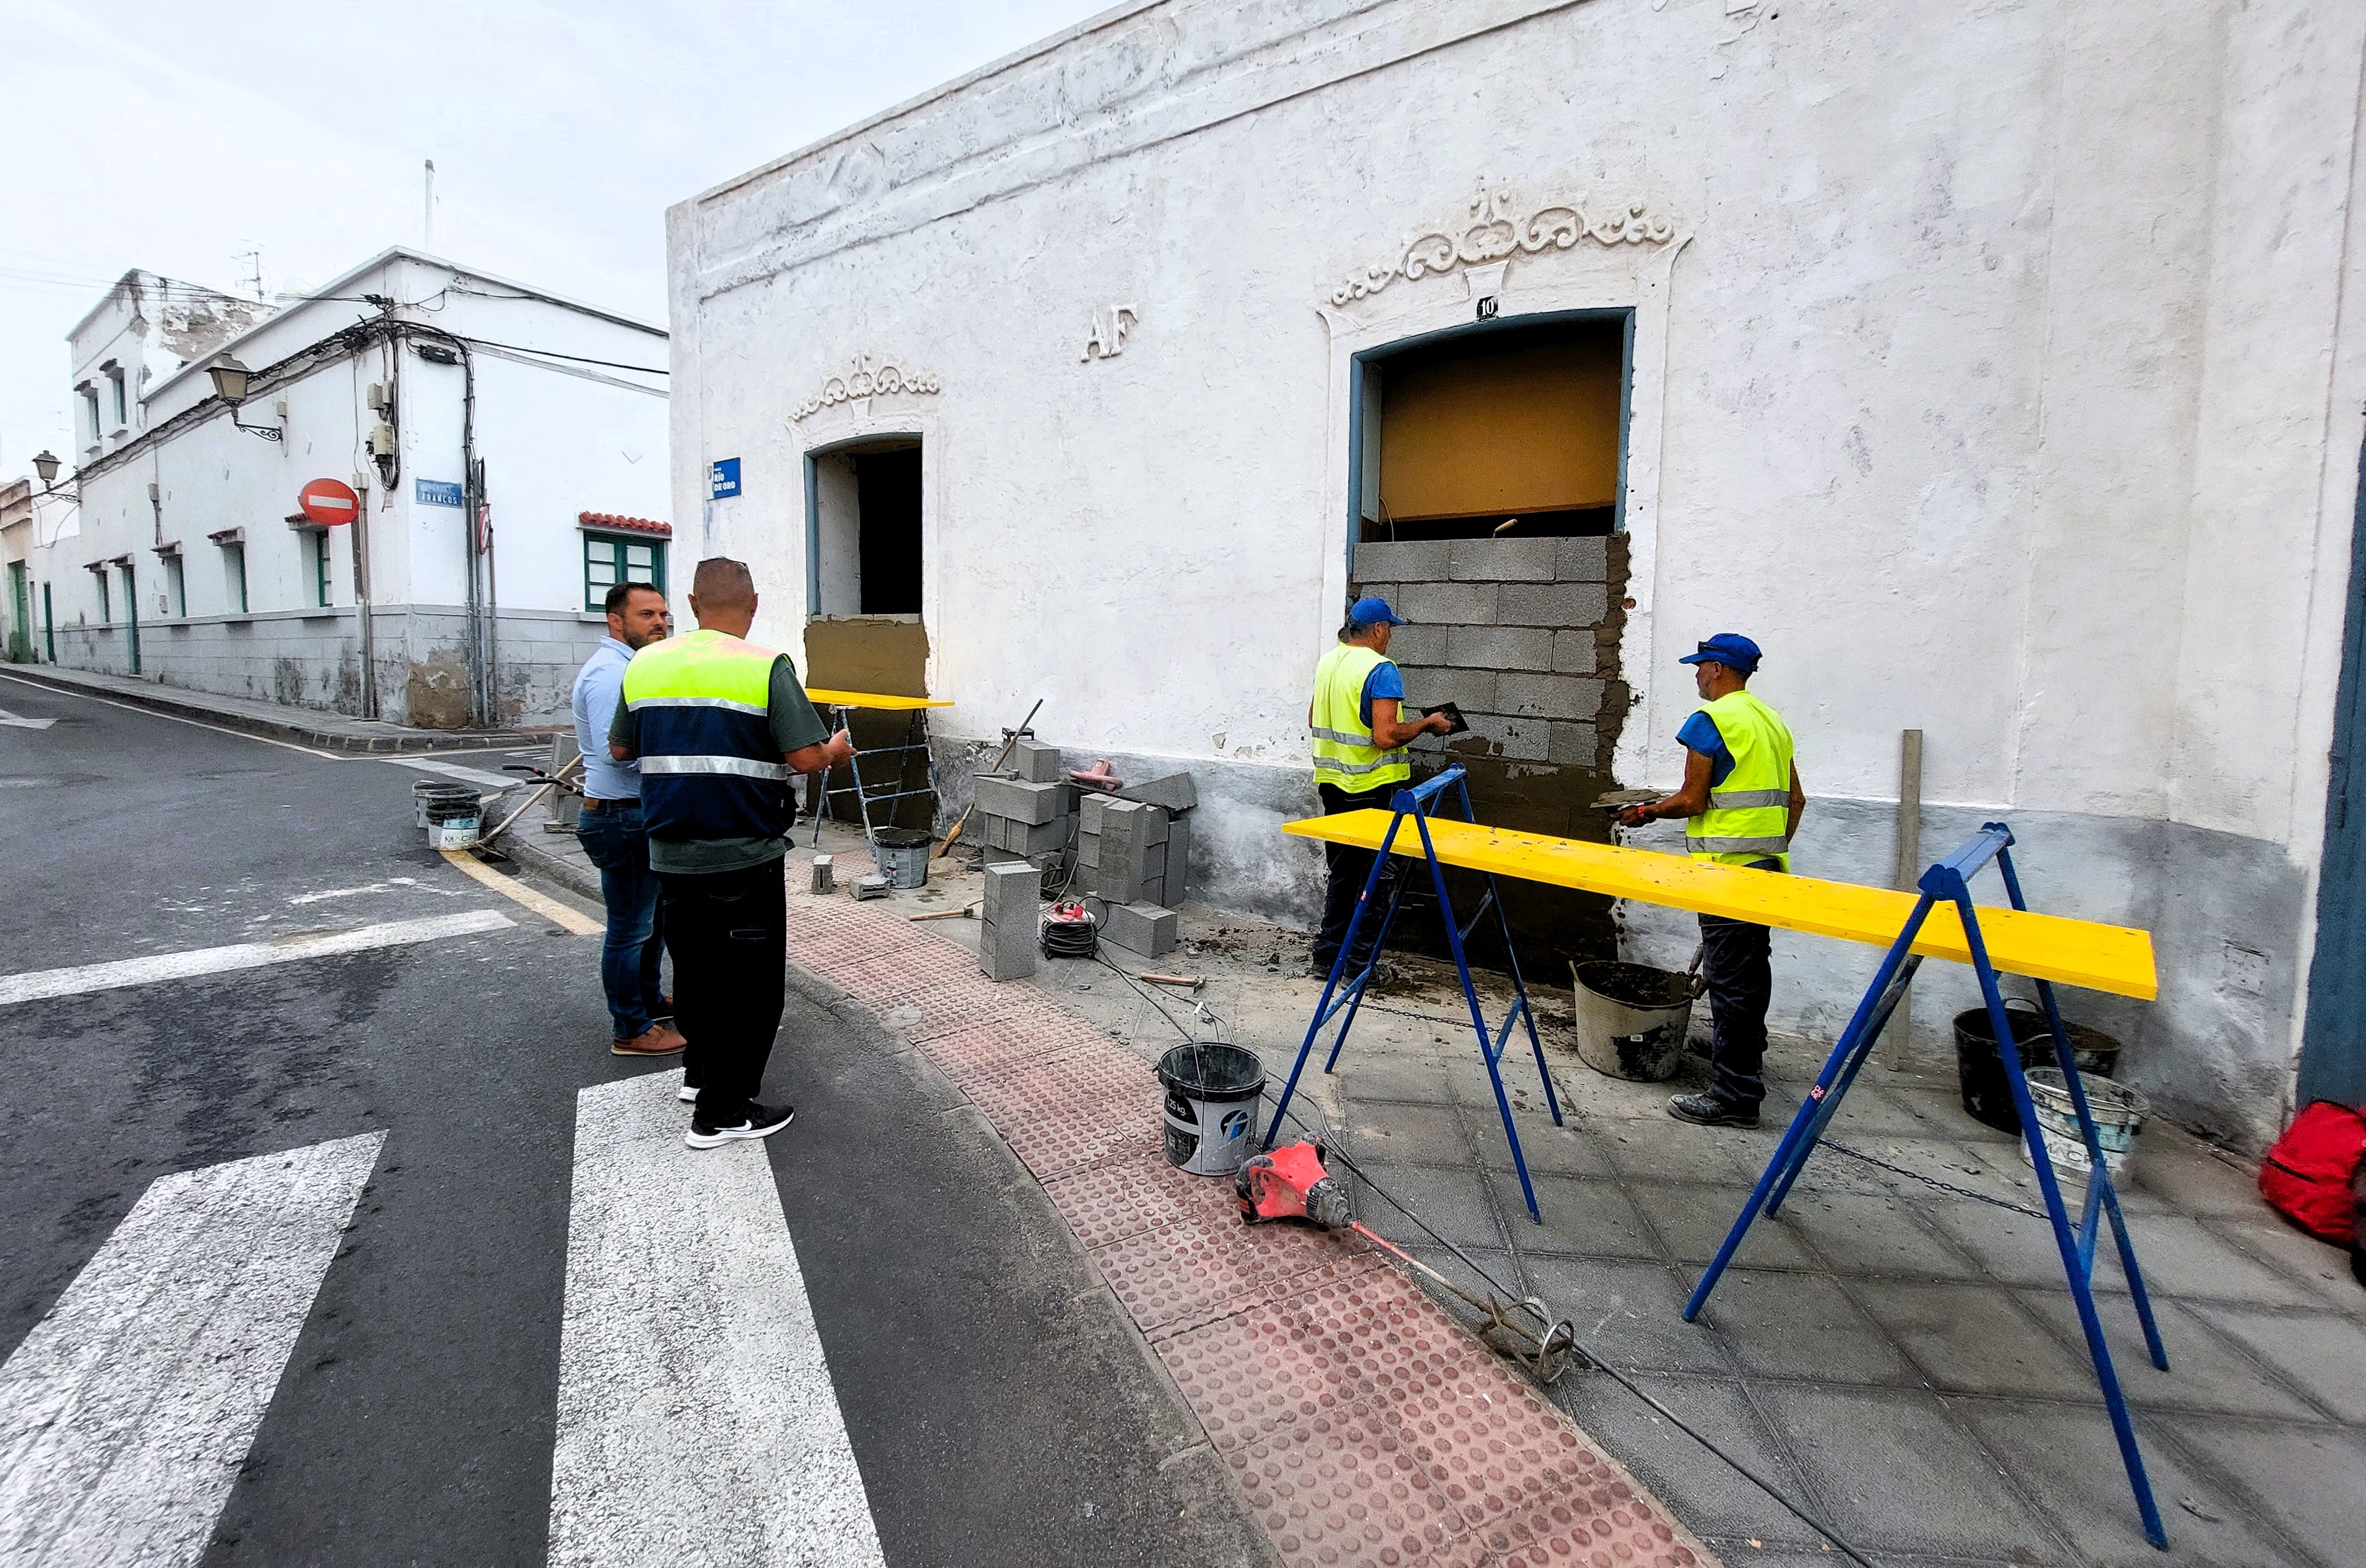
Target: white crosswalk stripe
41	984
697	1422
126	1412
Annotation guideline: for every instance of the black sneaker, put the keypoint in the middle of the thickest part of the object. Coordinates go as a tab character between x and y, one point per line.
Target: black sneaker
763	1122
1708	1110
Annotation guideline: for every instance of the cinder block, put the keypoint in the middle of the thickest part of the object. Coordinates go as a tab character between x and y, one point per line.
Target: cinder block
1091	804
1548	697
1449	605
1502	560
1020	800
1574	651
1581	561
1514	739
1025	838
1573	744
1035	762
1132	825
1471	690
1118	882
1088	848
1499	647
1012	891
1007	948
1154	863
1178	862
1146	928
1551	603
998	856
1418	645
1174	793
1418	561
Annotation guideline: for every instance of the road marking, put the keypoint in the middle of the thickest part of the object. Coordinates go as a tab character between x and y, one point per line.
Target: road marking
549	908
696	1420
48	691
127	1412
41	984
18	722
454	771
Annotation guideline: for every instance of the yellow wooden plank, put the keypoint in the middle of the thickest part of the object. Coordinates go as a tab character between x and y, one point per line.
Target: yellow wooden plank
2045	947
820	697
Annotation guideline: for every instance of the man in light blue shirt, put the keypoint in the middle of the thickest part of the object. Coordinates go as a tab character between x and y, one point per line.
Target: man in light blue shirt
613	834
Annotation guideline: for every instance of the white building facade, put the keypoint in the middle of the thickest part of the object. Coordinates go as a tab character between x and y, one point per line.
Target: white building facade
1998	370
438	395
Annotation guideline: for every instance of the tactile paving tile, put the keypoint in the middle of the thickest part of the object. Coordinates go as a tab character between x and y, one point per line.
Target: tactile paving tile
1055	1127
1339	1489
1629	1533
1013	1038
1257	1371
1109	1203
1493	1448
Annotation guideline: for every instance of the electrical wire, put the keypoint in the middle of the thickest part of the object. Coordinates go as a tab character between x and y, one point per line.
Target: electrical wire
1322	1135
553	353
1071	939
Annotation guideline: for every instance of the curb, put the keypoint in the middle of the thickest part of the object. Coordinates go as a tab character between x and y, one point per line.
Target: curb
164	699
542	862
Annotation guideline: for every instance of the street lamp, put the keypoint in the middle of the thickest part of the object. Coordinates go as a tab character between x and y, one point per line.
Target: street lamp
229	378
45	464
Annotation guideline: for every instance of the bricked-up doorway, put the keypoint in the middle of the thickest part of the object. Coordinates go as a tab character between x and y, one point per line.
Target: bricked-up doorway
1491	466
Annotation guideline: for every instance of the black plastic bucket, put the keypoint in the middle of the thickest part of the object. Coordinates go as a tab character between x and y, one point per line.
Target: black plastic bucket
1980	1070
1211	1106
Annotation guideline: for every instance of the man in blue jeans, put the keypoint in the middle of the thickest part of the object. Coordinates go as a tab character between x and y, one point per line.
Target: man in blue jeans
613	834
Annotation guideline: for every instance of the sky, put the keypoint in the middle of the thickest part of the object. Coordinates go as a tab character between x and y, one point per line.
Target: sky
176	137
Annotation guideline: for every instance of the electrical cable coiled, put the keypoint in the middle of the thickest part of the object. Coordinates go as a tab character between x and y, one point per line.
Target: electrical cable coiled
1071	939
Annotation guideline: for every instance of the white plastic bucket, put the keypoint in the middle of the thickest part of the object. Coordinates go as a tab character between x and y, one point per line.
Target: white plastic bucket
2120	1114
455	824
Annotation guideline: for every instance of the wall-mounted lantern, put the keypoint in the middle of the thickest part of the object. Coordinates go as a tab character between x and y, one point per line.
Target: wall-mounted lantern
229	378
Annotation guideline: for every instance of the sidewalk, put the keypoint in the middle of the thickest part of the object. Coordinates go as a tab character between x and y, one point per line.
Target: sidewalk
1903	1362
305	727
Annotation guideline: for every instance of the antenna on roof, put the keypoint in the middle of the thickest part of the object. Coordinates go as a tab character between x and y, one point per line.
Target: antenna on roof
427	229
252	278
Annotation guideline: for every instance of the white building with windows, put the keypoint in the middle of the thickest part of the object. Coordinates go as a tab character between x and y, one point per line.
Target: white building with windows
1998	369
506	450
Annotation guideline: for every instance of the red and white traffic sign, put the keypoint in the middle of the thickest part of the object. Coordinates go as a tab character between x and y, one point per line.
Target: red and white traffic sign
329	502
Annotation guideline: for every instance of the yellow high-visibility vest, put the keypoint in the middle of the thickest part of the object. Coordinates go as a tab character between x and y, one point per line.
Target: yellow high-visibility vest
710	767
1343	752
1749	814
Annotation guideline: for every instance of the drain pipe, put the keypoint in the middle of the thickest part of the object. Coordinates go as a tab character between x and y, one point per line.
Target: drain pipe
479	677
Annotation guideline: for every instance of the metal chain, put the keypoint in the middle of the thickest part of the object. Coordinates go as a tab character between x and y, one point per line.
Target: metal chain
1947	1187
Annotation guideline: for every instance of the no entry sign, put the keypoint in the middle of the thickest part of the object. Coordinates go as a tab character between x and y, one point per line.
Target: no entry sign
329	502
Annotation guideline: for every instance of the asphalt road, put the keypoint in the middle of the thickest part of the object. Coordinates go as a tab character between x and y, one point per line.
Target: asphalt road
995	1400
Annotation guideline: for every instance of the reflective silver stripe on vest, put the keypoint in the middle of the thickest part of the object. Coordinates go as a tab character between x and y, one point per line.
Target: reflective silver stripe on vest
1715	846
1340	735
1388	759
1741	799
744	767
640	703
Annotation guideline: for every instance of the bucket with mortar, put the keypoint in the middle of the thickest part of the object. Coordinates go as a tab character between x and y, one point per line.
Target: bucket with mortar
2120	1114
1632	1019
427	791
455	824
1979	1070
1211	1106
903	856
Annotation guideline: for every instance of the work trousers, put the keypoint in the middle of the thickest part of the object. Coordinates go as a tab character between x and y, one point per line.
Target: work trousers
1735	960
729	933
614	840
1349	867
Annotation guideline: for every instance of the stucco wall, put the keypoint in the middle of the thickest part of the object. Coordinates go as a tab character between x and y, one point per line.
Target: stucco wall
1988	371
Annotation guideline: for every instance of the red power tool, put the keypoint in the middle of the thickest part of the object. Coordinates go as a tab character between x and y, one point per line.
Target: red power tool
1290	1183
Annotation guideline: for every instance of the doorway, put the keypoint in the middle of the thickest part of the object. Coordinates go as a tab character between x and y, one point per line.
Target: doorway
863	528
2333	1043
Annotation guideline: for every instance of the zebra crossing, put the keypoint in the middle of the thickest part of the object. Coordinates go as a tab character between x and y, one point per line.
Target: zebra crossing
697	1422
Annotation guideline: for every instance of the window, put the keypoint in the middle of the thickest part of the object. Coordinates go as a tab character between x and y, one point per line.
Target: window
90	412
114	390
611	559
105	613
863	529
234	575
316	554
176	587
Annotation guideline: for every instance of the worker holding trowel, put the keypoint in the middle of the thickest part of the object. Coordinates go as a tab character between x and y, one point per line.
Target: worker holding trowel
1359	756
1741	801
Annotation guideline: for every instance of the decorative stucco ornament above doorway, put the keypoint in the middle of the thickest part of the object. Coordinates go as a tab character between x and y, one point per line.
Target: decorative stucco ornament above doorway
861	381
1496	226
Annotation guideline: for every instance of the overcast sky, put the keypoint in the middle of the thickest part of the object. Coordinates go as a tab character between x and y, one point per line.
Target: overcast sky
175	136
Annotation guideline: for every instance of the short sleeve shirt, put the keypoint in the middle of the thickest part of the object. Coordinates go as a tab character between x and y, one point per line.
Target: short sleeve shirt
1701	734
794	725
1385	680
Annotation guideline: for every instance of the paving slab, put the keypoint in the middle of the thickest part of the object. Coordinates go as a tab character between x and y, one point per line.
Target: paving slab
1975	1337
2205	1372
1583	1216
1867	1235
2303	1481
2321	1355
1788	1325
1454	1205
1631	1314
2179	1257
1667	1150
1718	1502
1693	1222
2320	1267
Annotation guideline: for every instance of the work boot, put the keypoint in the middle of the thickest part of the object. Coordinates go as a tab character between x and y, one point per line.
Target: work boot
655	1041
1708	1110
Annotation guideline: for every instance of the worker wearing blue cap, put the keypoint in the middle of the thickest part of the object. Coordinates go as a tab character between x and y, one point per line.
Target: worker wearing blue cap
1741	801
1359	757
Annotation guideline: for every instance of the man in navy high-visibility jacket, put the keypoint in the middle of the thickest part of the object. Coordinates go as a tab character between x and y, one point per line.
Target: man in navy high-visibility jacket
719	725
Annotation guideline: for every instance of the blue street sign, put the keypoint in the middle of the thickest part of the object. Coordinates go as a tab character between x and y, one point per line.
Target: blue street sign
436	492
723	478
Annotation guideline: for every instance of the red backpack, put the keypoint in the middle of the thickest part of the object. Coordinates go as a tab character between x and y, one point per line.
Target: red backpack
2307	1175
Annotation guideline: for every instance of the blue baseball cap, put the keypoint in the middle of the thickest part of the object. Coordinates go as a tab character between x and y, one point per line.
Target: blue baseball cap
1372	611
1729	648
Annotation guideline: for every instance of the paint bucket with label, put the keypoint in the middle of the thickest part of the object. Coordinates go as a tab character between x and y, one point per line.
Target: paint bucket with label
428	790
454	824
2120	1114
1632	1018
903	856
1211	1106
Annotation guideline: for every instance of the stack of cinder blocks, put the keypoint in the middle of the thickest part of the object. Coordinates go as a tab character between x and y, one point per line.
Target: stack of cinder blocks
1027	811
1134	850
1007	921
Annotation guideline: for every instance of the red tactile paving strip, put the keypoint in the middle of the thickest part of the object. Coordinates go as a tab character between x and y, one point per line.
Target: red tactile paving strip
1362	1424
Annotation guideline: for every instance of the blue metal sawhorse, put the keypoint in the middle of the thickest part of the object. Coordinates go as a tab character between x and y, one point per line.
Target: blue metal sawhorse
1415	804
1950	880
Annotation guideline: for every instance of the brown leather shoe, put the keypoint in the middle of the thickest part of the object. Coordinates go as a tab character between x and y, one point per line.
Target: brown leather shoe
655	1040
